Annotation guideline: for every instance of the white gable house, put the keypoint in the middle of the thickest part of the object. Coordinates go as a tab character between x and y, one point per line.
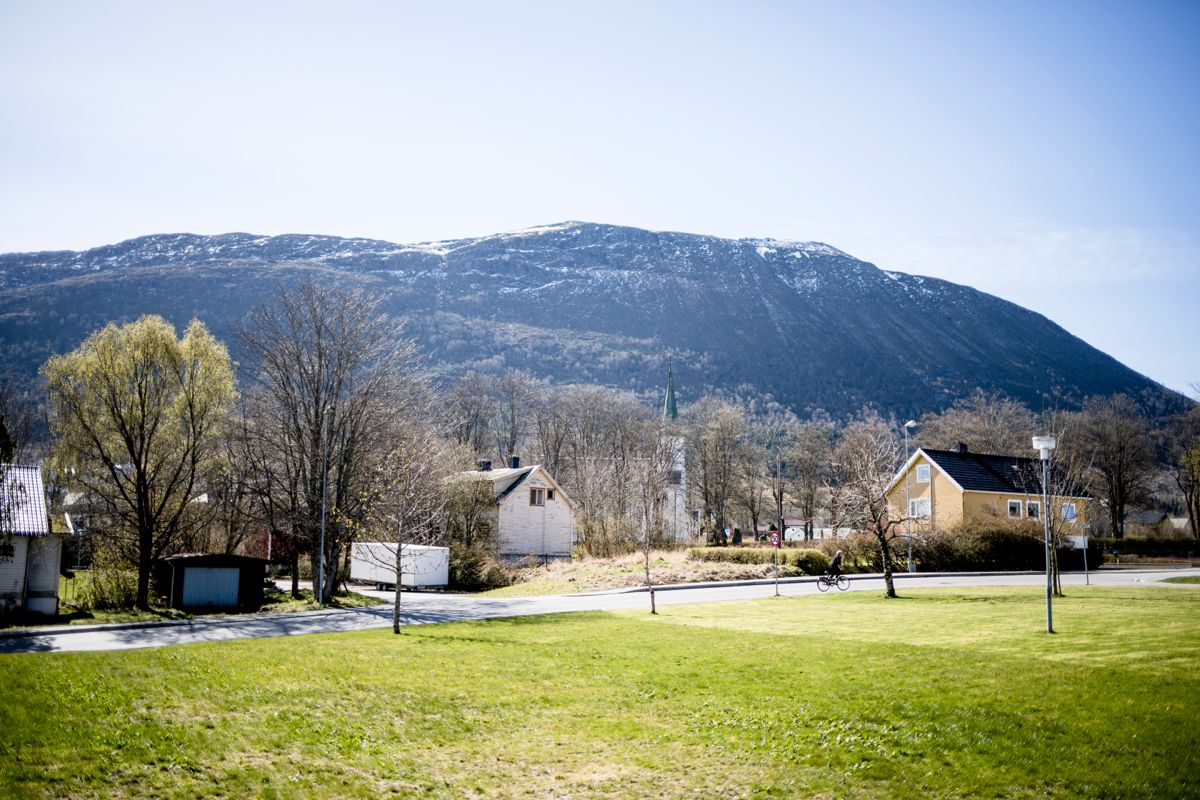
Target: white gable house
532	516
29	553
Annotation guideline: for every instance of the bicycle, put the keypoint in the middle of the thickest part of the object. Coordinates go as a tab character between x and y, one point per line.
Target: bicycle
826	581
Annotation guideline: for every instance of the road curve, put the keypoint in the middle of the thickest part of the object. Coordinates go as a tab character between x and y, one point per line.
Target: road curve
434	607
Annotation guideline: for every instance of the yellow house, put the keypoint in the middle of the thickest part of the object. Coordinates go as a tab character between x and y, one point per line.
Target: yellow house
938	488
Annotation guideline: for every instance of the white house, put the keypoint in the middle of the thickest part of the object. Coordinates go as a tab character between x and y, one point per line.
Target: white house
29	554
532	517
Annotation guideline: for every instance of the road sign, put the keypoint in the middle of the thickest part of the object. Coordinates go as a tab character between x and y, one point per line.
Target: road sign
775	538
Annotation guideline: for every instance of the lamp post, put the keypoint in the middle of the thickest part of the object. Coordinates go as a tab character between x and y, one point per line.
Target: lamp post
1044	444
908	498
324	491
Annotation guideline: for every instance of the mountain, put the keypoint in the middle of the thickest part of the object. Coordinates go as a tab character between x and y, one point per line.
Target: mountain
802	322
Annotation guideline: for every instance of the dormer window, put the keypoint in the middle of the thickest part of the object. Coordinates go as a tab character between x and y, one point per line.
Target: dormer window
922	473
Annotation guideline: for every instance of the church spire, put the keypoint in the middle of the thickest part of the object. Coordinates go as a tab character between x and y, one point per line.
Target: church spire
670	410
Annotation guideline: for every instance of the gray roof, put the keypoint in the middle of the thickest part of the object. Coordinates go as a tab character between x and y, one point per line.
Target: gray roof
23	502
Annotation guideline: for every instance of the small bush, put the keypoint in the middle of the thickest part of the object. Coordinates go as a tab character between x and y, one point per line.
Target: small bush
476	568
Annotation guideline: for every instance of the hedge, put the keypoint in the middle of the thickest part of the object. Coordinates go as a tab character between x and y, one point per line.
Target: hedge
808	562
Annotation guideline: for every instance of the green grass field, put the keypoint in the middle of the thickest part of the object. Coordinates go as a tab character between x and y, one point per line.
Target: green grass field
938	694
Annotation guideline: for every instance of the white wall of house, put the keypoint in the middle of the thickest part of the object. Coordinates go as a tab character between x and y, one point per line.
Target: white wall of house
525	529
13	555
41	575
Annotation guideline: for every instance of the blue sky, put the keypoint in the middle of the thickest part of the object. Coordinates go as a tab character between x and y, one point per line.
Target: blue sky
1043	152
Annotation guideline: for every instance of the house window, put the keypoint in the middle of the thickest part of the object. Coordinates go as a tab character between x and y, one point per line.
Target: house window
918	509
537	497
549	494
1068	512
922	473
1033	510
1014	509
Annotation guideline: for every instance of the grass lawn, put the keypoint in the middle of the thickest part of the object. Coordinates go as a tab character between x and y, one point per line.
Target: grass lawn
941	693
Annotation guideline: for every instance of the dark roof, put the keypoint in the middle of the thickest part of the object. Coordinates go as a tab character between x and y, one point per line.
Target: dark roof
512	486
981	472
1146	517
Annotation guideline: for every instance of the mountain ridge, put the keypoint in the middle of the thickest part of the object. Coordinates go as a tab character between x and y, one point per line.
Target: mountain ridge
802	322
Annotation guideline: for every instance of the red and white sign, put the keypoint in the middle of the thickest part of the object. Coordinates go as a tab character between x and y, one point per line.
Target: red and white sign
775	538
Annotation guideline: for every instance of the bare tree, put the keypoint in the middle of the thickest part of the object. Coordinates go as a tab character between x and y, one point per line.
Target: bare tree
717	431
335	376
809	458
1184	465
1116	438
985	422
864	460
653	459
411	488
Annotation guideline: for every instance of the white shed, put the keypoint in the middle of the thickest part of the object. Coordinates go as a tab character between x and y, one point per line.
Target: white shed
533	516
29	554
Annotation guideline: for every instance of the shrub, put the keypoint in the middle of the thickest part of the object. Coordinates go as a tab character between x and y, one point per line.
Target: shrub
804	561
476	568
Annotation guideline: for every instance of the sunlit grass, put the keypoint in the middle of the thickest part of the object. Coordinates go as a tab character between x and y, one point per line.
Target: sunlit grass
945	693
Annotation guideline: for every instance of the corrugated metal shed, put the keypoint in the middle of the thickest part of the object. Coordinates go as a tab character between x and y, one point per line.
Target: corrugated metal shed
23	502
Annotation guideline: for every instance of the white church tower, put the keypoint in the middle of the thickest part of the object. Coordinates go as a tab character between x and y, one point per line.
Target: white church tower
675	500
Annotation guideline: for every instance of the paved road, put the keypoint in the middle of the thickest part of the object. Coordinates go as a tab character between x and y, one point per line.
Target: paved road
432	607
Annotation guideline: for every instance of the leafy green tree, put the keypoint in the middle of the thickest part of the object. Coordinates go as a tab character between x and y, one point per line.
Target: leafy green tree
137	416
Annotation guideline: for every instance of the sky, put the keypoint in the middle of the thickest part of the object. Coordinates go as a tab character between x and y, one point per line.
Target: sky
1042	152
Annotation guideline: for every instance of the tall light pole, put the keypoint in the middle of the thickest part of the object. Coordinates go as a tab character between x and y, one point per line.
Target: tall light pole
907	498
324	483
1044	444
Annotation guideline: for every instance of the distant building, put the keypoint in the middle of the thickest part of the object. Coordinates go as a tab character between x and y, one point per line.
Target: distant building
29	552
531	516
938	488
675	513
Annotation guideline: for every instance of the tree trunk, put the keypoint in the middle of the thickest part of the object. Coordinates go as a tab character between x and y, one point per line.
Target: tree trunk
650	585
295	571
399	584
145	543
886	552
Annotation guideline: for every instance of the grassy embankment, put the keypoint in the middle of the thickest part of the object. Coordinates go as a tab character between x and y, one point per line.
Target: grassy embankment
593	574
939	694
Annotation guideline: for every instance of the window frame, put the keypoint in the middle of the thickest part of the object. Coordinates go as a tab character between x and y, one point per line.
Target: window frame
1070	516
928	473
919	502
1020	508
537	496
549	495
1030	505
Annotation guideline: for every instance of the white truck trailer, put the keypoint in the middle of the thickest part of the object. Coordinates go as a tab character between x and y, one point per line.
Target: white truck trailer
421	566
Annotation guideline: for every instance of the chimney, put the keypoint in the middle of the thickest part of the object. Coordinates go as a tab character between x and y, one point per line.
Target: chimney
962	448
485	466
514	462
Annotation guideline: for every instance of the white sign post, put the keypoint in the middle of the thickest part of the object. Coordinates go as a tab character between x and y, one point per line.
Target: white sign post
1080	543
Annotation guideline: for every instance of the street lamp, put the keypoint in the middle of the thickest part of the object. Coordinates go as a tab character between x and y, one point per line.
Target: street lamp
907	498
1044	444
324	491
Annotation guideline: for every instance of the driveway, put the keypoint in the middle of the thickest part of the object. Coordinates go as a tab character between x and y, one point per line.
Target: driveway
433	607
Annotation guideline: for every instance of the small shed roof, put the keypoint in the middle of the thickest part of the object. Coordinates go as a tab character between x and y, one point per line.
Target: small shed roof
23	502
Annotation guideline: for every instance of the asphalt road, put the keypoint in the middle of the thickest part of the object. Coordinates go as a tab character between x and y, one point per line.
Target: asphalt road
433	607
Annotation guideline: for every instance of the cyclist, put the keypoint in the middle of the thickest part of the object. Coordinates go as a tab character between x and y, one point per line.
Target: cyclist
835	566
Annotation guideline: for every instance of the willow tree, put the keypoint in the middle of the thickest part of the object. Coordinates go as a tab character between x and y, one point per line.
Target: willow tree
137	416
